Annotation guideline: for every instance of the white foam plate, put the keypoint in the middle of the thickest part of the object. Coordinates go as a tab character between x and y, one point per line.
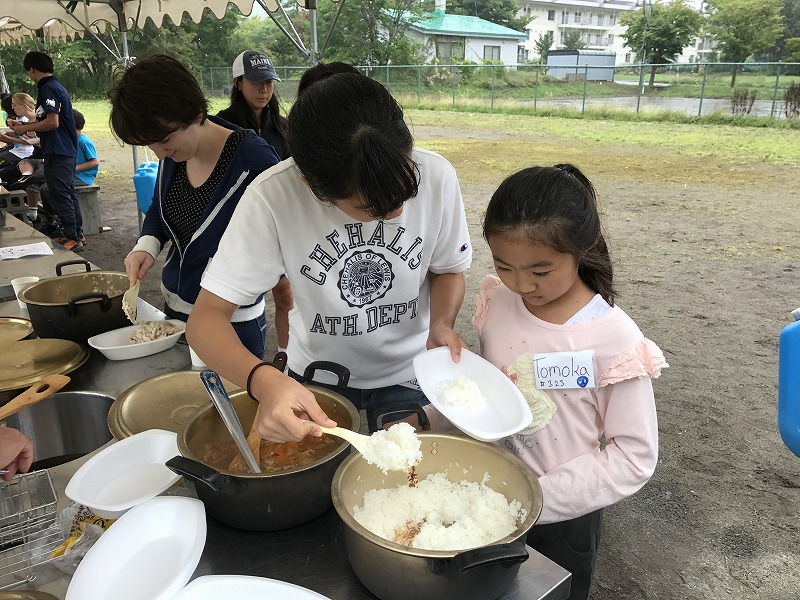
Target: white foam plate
125	474
150	552
242	587
505	413
116	344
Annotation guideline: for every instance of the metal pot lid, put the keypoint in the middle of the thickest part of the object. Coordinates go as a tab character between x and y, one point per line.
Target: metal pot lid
25	362
161	402
14	329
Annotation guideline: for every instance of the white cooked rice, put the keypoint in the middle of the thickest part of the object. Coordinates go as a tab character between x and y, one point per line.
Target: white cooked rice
152	330
393	449
440	514
462	392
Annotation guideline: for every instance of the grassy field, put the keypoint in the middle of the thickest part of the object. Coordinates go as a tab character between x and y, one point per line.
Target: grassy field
741	145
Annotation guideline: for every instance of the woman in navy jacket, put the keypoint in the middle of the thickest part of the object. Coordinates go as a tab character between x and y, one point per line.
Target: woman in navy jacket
205	166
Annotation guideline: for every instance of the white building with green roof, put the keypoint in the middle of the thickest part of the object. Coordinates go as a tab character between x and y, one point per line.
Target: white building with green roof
447	37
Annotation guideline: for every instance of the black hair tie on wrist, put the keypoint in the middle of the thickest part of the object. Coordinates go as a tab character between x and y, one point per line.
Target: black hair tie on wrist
250	376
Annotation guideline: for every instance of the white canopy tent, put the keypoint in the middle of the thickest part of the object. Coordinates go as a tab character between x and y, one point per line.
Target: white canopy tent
67	19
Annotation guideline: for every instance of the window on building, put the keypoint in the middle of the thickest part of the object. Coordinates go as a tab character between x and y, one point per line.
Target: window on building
612	19
522	54
627	57
564	17
551	15
491	53
576	18
449	47
563	37
600	19
610	39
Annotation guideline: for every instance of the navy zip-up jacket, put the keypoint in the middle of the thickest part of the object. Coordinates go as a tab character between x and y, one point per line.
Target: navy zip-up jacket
183	269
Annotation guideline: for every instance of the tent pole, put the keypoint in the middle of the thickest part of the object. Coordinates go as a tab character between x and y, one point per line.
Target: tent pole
312	7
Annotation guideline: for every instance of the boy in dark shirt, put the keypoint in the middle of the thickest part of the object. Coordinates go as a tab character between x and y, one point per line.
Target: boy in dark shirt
56	128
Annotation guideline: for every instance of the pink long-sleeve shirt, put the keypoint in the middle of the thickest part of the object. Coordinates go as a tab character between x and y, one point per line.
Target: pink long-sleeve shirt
578	473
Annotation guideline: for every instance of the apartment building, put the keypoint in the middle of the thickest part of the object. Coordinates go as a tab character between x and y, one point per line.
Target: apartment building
596	20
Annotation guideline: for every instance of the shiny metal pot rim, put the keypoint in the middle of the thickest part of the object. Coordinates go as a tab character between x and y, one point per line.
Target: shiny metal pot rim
376	478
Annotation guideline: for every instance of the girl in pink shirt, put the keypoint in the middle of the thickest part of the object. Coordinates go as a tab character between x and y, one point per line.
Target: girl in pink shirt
549	321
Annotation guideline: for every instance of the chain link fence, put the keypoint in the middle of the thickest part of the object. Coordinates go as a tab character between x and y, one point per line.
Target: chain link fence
770	90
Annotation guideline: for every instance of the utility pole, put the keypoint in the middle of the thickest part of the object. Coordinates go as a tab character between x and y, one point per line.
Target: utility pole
647	7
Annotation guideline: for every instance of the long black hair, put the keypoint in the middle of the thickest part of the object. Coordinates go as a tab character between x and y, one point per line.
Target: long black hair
557	207
240	113
348	138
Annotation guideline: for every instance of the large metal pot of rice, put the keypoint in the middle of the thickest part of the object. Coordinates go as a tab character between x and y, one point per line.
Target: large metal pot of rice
77	306
394	571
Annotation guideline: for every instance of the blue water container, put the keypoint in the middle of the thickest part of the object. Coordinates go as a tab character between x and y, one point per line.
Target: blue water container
789	384
144	180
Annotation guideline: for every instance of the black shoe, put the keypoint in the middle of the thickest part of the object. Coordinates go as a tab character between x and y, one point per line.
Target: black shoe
24	178
51	230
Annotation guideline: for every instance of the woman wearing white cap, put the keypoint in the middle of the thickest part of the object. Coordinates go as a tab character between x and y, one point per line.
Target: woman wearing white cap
255	105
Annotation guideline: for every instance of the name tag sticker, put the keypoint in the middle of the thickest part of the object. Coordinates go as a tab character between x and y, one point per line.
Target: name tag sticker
564	370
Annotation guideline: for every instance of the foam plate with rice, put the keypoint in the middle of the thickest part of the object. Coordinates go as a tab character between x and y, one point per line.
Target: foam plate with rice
505	411
117	345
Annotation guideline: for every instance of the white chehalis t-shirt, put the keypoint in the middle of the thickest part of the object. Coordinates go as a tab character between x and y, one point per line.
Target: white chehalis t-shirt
361	289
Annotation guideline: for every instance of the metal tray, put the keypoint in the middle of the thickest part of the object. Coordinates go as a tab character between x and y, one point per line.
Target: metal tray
14	329
161	402
25	362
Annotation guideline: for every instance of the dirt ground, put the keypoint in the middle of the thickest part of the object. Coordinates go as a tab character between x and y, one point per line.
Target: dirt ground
708	264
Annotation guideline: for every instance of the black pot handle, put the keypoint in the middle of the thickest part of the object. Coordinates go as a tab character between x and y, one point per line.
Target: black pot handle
378	417
343	373
105	303
201	473
77	261
506	555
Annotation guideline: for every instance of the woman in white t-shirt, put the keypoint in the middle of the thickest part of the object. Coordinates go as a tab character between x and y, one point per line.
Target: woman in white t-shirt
372	234
19	147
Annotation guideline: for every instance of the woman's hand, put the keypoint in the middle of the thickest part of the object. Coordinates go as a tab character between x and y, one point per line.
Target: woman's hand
16	452
137	264
443	335
280	400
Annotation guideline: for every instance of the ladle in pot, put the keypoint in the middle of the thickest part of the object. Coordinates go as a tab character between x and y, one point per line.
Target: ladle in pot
254	438
38	391
226	411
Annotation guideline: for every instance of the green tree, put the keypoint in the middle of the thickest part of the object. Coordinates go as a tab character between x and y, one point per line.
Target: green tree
793	50
501	12
543	44
663	34
783	49
370	32
572	40
743	27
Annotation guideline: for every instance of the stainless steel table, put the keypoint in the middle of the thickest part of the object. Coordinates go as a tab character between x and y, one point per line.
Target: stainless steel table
14	232
312	555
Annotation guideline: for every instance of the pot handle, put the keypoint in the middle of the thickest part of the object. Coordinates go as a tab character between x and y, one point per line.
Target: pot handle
77	261
378	417
201	473
343	373
506	555
105	303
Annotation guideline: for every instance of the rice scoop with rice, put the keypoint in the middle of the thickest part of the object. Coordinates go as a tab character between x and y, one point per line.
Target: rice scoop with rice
393	449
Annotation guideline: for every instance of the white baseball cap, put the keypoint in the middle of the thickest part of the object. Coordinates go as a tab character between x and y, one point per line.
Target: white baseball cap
254	66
